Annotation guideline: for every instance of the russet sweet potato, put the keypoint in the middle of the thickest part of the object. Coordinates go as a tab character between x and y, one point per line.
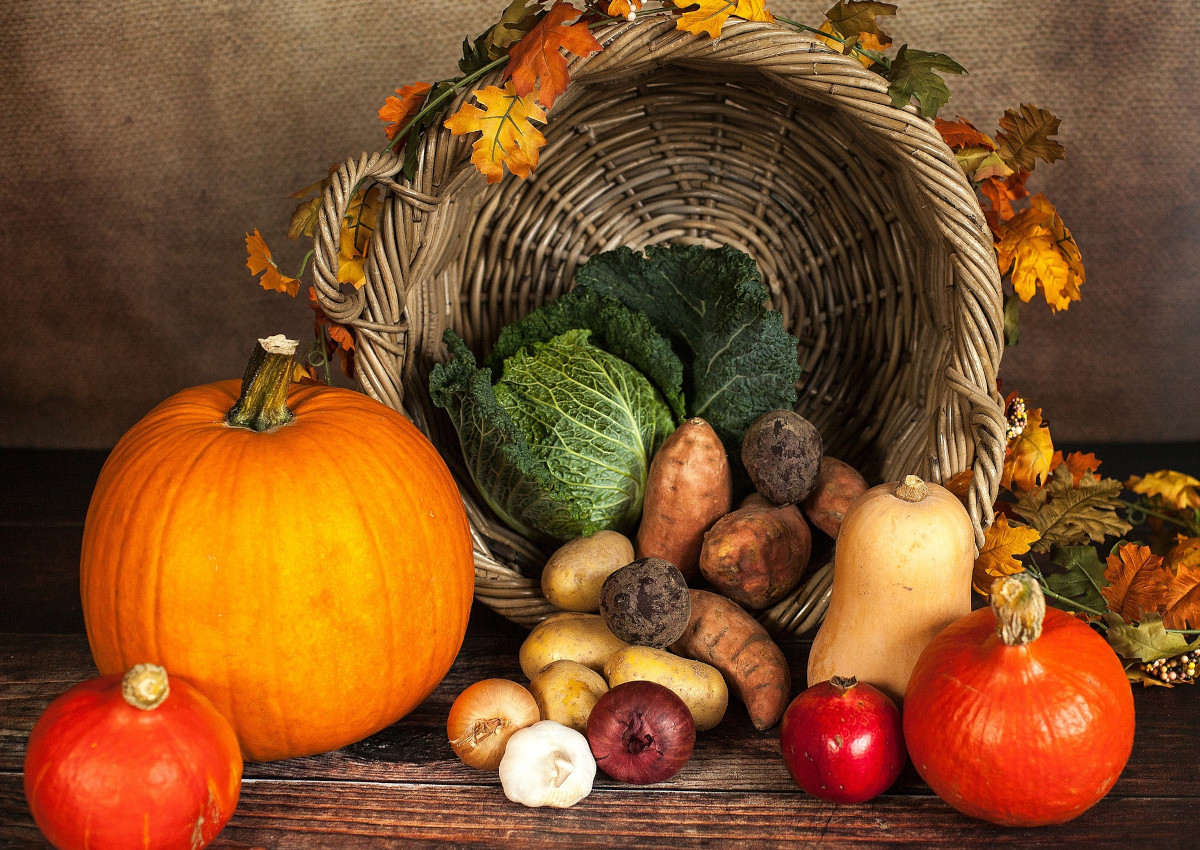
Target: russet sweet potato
838	484
721	633
688	488
758	553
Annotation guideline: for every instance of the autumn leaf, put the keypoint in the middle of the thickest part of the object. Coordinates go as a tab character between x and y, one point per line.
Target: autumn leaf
1082	580
859	47
1136	582
709	16
624	8
1079	463
259	260
914	75
398	111
979	163
341	335
1067	515
1028	457
516	20
1038	252
537	62
960	484
1145	641
1182	597
304	217
508	136
856	19
962	134
1176	489
357	226
1026	136
1000	193
997	557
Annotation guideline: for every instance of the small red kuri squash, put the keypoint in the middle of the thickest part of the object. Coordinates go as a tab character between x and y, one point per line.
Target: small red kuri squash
299	553
1018	714
132	761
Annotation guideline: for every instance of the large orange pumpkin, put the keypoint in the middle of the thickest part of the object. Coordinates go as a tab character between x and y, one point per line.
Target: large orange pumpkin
313	579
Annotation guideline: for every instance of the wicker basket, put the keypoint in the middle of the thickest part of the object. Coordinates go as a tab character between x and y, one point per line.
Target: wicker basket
869	237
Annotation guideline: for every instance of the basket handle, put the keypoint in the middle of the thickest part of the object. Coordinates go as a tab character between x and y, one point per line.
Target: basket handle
378	310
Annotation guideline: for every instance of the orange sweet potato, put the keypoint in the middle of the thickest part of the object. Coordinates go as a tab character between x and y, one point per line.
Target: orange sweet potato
723	634
688	487
838	485
756	554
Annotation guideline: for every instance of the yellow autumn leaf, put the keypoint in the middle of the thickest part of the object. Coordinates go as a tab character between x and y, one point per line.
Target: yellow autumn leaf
865	40
259	260
997	557
1029	456
1038	251
1176	489
709	16
357	226
508	138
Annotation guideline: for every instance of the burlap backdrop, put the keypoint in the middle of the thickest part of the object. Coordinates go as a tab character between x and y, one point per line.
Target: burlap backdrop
139	141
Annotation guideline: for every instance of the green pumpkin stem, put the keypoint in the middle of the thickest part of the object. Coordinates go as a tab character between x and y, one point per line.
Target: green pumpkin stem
145	686
263	402
1020	607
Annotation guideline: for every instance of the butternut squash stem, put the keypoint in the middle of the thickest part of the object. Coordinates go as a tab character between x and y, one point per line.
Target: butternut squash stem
911	489
1020	607
145	686
263	402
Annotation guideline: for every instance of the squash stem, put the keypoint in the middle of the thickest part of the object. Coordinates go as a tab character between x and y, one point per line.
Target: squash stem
1020	607
263	402
145	686
911	489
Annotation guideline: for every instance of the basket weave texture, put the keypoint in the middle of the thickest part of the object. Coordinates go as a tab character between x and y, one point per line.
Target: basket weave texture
869	237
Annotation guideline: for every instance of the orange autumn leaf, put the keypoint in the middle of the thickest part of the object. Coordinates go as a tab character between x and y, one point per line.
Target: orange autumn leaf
398	111
997	558
537	62
960	485
627	9
1000	193
357	226
1182	598
864	40
1079	463
1038	252
1029	456
508	136
709	16
1137	582
962	134
259	260
1176	489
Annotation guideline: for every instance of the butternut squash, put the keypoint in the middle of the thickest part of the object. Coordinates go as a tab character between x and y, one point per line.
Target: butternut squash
901	573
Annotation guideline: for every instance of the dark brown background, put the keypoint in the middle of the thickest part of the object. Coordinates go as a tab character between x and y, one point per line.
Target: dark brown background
139	141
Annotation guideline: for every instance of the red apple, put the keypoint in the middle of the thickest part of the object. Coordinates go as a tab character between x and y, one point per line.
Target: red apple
843	741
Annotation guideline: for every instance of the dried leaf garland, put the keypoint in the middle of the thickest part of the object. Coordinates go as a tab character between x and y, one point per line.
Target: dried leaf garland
1065	514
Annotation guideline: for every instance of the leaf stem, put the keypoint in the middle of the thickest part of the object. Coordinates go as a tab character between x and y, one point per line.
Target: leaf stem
1077	606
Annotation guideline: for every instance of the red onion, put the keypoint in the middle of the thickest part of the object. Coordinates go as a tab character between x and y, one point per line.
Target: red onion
641	732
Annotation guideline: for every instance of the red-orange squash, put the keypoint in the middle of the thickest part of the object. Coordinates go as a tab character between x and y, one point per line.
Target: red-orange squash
138	760
308	565
1018	714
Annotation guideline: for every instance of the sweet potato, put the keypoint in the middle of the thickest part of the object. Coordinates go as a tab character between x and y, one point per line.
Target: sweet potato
756	554
688	488
723	634
838	485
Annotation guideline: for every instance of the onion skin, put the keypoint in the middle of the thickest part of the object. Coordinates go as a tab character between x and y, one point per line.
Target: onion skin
843	741
484	716
641	732
1025	735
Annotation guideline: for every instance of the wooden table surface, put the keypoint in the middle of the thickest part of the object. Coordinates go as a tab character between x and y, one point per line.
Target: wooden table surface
404	786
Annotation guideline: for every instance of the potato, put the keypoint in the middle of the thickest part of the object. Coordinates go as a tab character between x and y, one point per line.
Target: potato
838	485
570	635
566	691
701	686
572	577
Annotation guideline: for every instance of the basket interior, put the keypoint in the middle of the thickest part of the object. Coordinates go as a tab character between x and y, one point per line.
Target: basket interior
689	156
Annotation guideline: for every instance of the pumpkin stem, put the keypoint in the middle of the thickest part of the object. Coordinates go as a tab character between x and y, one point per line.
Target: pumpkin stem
263	402
911	489
145	686
1020	606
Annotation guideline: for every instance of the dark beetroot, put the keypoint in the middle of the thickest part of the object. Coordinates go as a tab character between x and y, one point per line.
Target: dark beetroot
641	732
843	741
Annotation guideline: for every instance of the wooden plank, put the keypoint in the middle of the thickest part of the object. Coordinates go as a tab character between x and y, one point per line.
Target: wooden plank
284	814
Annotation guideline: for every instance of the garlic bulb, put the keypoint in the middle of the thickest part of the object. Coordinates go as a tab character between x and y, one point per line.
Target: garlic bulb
547	764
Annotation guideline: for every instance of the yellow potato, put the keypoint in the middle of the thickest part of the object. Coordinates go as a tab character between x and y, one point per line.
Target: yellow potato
572	577
567	691
699	685
573	636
